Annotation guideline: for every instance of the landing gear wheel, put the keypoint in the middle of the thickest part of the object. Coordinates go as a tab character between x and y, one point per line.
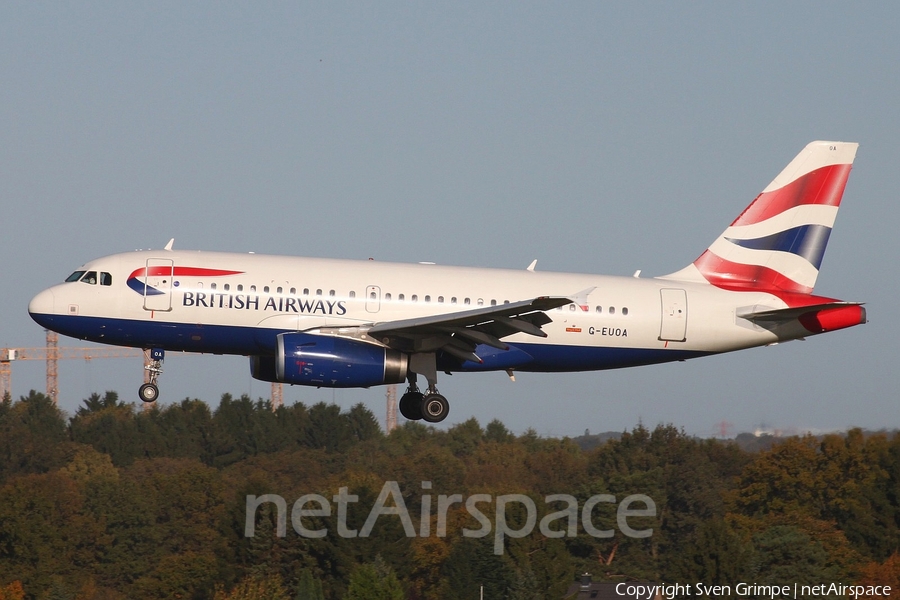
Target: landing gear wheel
411	405
435	408
148	392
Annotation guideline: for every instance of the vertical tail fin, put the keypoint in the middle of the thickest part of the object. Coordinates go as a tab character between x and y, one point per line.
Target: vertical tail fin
778	242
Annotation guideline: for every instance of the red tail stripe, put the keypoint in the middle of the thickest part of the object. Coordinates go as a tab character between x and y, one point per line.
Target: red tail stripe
823	186
740	277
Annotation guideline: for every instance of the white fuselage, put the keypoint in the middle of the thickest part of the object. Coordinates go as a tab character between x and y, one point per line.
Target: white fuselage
617	321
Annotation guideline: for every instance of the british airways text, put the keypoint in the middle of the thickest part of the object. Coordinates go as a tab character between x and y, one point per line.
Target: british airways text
273	303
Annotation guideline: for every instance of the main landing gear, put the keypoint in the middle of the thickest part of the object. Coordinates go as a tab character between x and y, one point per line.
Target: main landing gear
431	407
149	392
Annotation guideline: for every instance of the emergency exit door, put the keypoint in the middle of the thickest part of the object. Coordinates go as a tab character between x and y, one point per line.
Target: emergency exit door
674	315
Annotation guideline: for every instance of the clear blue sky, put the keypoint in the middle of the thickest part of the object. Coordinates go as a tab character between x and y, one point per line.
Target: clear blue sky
595	137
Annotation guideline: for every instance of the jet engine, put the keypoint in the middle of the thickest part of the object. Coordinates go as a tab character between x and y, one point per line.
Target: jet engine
328	361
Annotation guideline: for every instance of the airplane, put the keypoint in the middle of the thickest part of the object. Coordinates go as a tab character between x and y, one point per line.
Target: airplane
347	323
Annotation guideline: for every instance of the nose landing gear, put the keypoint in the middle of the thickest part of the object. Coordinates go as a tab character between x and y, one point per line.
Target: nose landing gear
149	392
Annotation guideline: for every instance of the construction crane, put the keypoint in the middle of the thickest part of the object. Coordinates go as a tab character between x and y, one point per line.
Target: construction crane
52	353
391	419
277	395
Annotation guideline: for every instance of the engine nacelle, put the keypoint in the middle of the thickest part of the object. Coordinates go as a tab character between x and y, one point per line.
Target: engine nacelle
328	361
263	368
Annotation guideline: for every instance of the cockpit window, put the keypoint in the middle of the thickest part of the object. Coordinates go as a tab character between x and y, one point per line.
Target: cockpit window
74	276
90	277
105	279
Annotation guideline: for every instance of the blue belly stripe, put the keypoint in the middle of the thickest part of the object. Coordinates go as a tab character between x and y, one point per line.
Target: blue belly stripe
246	341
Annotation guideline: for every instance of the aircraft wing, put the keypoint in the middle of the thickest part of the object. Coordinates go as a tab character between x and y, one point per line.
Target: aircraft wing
458	333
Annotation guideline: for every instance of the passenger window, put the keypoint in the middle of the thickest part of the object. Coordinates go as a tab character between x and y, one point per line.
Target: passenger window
318	292
105	279
571	308
240	288
74	276
467	301
612	310
387	297
293	291
493	303
624	312
401	298
427	298
90	277
373	296
331	293
481	302
353	294
252	288
453	300
441	299
279	290
306	291
415	298
227	287
599	309
266	289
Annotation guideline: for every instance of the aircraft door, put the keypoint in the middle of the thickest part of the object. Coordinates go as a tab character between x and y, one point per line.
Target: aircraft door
373	298
674	315
158	284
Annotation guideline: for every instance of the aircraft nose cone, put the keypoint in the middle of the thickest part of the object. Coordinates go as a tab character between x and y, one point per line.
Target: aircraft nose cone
42	306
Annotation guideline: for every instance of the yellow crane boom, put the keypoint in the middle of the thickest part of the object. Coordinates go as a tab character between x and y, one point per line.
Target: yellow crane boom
53	353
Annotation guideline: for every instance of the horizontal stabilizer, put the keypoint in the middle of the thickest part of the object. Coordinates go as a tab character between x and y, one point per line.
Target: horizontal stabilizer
814	318
781	315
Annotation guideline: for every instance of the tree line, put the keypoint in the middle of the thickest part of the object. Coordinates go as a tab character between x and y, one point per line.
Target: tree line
114	502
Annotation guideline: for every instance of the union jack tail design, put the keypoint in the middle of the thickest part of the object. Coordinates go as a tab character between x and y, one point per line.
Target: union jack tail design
778	242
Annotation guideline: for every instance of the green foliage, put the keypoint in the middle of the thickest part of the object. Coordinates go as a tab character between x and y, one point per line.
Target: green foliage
374	581
308	587
32	436
497	432
254	588
125	503
471	566
45	533
786	553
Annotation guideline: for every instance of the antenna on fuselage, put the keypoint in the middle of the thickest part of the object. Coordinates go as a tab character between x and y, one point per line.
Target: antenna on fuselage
170	244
